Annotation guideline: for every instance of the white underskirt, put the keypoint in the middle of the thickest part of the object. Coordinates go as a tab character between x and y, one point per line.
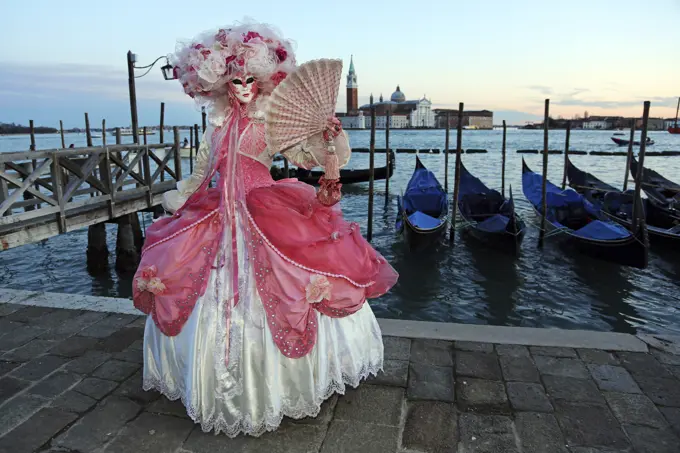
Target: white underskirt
270	385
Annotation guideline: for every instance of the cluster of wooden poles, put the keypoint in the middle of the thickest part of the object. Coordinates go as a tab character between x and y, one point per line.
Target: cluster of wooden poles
459	149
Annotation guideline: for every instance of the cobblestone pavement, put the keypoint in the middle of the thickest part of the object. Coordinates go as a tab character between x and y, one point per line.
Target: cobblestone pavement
70	381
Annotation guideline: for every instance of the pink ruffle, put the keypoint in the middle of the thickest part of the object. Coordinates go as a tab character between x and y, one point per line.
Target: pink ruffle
294	240
182	248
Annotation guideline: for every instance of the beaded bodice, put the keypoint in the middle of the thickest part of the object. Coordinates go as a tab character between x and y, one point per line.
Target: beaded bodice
253	159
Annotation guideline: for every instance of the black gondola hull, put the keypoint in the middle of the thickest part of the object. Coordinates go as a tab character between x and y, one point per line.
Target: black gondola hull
418	239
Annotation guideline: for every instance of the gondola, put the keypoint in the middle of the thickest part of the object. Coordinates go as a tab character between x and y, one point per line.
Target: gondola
622	142
663	225
347	176
422	211
658	187
488	215
583	226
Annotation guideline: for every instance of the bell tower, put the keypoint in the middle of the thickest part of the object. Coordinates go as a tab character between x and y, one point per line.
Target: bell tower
352	89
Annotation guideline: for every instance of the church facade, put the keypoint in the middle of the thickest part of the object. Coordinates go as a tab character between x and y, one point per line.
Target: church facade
402	113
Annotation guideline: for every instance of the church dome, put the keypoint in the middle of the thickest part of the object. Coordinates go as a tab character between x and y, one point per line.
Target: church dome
398	96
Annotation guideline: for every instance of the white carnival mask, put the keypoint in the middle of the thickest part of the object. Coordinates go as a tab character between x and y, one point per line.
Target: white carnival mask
244	88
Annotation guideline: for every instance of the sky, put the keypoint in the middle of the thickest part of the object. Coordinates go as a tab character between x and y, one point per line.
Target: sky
61	59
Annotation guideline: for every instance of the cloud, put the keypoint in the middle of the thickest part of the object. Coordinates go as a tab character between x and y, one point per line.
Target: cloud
544	90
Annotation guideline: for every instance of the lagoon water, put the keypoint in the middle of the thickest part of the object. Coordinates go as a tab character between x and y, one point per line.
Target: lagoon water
467	283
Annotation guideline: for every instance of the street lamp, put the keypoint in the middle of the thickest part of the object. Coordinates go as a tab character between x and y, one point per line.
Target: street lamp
168	74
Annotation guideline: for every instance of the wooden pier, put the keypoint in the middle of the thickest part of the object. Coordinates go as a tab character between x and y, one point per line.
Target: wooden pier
51	192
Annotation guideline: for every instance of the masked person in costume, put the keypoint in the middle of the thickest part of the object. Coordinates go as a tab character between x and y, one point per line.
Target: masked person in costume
256	290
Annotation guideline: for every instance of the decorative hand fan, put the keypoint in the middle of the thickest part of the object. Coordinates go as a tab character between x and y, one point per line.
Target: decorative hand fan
302	113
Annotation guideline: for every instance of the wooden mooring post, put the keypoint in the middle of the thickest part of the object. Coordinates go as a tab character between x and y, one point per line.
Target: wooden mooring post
629	156
61	132
638	210
544	203
161	132
446	154
505	131
566	156
371	174
456	180
388	155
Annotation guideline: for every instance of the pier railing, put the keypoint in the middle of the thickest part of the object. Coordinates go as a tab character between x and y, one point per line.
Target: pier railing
45	193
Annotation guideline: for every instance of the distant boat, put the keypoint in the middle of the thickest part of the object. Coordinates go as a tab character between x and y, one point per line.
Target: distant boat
622	142
127	132
675	129
619	133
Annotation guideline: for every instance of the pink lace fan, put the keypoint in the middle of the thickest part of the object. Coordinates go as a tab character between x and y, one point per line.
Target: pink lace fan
302	108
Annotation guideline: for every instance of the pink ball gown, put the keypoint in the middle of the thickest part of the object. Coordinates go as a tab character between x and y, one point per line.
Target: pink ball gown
256	307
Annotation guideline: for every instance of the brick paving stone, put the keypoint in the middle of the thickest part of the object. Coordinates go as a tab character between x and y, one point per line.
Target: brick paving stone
519	369
7	326
151	433
642	364
121	339
73	401
107	326
675	370
19	337
38	368
486	434
288	438
18	410
665	357
527	396
353	436
600	450
556	366
553	352
6	367
371	404
29	313
74	346
572	389
432	352
672	415
397	348
539	433
474	346
512	350
597	356
55	384
116	370
95	388
632	409
585	425
8	309
662	391
613	379
88	362
324	416
132	388
138	345
650	440
73	326
430	427
482	395
96	428
10	386
55	318
395	372
29	351
478	365
36	431
130	355
166	407
427	382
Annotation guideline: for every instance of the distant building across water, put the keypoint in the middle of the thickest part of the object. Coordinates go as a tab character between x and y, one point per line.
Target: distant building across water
402	113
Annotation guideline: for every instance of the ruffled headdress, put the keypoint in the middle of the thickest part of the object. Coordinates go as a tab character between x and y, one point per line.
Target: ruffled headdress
204	65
